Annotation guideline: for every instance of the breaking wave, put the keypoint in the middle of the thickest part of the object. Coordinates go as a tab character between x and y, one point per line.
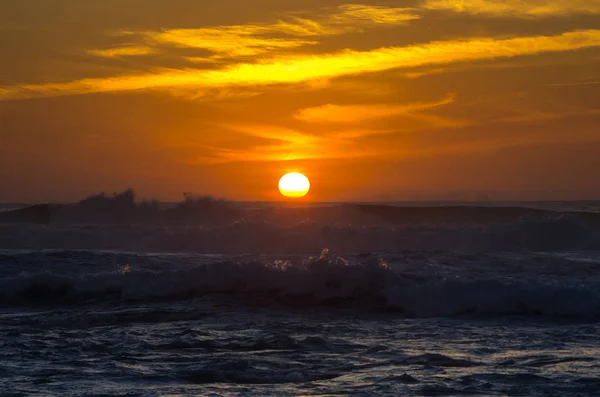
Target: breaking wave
123	209
419	287
208	225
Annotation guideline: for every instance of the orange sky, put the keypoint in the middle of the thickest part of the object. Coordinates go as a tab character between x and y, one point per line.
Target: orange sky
376	100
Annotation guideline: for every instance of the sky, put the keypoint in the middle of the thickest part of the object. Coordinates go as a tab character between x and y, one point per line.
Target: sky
374	100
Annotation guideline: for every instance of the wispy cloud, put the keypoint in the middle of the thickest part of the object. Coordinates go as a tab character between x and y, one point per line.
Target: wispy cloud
331	113
302	68
289	144
356	13
517	8
212	94
595	82
125	51
234	41
533	116
350	140
286	144
228	41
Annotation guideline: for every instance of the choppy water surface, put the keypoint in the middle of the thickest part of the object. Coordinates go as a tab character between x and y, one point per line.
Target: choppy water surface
201	347
89	323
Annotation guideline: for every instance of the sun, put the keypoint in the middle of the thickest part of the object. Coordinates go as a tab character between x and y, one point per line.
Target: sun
294	185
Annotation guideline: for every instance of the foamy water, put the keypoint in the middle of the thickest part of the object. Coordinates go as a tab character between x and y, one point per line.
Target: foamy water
404	323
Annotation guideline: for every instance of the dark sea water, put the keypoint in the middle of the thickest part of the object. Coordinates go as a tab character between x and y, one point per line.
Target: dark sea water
334	304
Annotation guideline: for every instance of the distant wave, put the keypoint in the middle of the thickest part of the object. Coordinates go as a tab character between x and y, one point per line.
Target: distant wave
527	234
421	286
4	207
123	209
208	225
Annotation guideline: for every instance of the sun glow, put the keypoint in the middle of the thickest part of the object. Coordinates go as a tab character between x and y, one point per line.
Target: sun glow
294	185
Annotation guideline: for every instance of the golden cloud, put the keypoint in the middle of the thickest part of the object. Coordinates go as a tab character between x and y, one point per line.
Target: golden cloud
230	41
118	52
304	68
595	82
352	13
347	144
278	153
355	113
287	144
255	39
517	8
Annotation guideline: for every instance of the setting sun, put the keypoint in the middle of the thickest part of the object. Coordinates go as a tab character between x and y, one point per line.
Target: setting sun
294	185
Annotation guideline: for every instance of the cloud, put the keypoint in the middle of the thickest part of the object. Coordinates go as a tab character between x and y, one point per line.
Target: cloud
594	82
228	41
275	133
290	144
516	8
355	113
352	118
234	41
534	116
278	153
348	140
211	94
126	51
346	18
352	13
285	144
304	68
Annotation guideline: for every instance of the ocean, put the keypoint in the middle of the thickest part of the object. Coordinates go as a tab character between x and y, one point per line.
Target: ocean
207	298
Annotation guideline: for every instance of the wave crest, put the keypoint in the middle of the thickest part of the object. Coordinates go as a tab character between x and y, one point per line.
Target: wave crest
421	291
